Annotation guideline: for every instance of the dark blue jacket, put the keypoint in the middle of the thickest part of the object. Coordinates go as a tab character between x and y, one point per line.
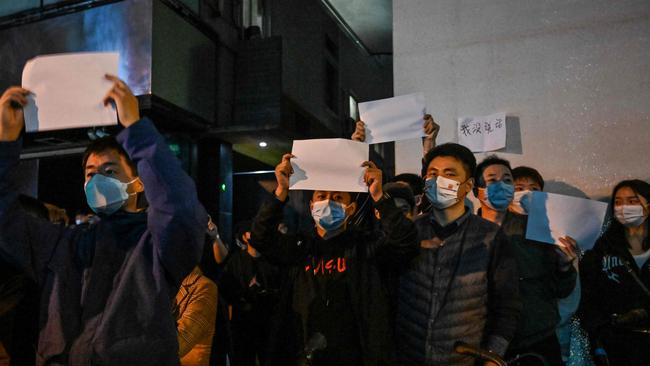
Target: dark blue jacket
107	289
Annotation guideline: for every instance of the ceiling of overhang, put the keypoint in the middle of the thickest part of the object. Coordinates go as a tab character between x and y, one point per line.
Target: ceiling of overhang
369	22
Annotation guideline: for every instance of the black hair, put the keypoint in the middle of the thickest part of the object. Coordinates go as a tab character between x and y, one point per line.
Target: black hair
480	168
415	182
457	151
615	229
104	144
242	227
528	172
400	190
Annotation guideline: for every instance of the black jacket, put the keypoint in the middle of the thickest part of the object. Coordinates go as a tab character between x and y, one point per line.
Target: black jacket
608	288
368	256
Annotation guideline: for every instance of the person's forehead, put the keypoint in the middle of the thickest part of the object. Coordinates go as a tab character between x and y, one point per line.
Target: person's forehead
626	192
103	157
497	170
332	193
445	162
526	180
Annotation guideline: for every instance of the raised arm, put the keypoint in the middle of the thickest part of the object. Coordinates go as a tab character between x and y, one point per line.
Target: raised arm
265	237
25	241
398	243
176	218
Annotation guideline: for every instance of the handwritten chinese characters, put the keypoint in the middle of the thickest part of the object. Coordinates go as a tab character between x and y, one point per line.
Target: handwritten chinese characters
481	134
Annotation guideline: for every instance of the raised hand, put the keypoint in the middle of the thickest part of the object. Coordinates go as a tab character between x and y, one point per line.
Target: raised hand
12	118
359	132
282	173
126	103
567	253
431	128
372	177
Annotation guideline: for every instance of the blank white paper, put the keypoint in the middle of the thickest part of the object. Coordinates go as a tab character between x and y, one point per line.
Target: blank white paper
394	119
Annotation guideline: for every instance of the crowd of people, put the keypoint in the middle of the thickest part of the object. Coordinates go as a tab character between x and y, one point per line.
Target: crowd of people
407	274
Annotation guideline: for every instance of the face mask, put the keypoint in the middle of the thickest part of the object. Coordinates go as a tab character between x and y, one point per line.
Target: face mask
105	195
498	195
521	202
441	192
629	215
329	215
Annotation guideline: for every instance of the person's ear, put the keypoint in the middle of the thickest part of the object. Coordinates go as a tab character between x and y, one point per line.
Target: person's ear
377	215
311	205
137	185
470	185
351	209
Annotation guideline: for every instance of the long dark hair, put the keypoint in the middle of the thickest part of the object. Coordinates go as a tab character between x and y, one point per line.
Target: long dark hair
615	229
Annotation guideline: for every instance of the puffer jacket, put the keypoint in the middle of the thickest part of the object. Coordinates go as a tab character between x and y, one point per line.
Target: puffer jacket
463	290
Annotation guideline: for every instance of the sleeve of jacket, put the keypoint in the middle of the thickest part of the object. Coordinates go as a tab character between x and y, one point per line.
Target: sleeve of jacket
197	322
278	248
26	242
504	304
593	310
399	243
566	282
175	218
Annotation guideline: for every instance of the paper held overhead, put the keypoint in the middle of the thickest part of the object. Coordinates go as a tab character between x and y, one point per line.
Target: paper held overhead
552	216
328	165
68	91
482	134
393	119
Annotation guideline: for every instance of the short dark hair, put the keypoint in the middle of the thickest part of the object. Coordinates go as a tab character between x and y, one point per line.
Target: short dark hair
415	182
457	151
615	230
400	190
528	172
480	168
104	144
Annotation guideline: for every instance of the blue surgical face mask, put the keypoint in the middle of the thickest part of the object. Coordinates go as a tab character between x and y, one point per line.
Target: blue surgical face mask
442	192
329	215
498	195
106	195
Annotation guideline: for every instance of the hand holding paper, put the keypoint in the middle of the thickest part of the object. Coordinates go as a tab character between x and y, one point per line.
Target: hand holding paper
11	113
373	178
283	173
126	103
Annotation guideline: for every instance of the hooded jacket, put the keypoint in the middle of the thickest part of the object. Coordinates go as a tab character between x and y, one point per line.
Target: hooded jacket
108	289
365	257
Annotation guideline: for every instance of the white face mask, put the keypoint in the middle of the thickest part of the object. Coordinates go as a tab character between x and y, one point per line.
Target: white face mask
629	215
521	202
442	192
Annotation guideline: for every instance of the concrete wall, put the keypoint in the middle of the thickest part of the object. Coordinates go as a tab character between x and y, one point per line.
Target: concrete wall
576	74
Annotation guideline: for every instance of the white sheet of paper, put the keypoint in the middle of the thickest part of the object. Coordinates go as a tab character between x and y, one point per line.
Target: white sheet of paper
328	165
393	119
68	90
552	216
482	134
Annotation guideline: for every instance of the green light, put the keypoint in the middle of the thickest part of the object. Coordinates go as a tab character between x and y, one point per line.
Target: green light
223	187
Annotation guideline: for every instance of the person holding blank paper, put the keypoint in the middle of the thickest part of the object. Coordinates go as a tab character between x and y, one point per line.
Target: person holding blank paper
107	288
546	273
337	306
615	278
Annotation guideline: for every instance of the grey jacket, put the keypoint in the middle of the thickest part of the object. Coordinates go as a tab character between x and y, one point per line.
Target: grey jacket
465	289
